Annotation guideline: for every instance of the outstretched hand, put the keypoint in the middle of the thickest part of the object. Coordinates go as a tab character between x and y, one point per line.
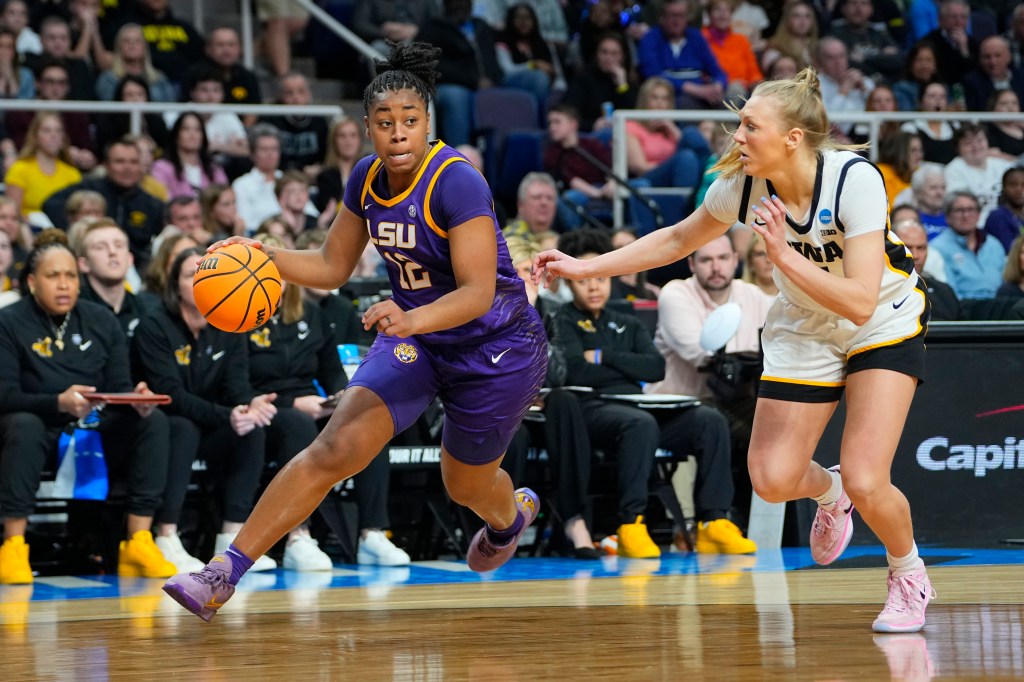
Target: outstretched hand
549	265
252	243
770	224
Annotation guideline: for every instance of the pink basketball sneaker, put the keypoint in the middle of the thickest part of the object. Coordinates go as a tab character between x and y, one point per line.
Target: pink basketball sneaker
832	530
909	594
483	555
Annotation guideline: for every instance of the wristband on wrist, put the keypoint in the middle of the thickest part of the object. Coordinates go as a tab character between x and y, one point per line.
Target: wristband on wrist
597	356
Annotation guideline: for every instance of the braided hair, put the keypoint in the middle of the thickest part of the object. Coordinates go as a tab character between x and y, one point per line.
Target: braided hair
410	66
49	239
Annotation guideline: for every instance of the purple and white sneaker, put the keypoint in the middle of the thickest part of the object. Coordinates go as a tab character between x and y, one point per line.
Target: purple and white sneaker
204	592
483	555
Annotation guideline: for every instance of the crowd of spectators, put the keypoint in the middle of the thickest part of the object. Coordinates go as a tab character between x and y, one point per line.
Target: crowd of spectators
956	189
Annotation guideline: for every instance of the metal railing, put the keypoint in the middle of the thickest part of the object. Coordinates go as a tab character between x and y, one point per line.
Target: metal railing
874	120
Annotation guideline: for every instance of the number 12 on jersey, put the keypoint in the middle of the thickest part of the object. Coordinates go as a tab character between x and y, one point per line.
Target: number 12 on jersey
411	274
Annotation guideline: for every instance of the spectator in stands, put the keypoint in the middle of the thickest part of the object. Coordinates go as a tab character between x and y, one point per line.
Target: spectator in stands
16	81
1015	36
159	269
936	135
975	169
658	150
881	99
631	286
377	21
956	51
992	73
570	160
944	303
220	212
536	204
20	237
757	269
974	260
346	147
468	63
292	191
870	47
1013	274
550	16
8	288
1006	221
282	22
303	139
113	126
277	227
55	347
89	32
899	155
147	151
104	261
1006	135
928	190
600	19
131	57
43	167
214	414
782	66
185	213
85	203
732	50
223	52
224	130
52	85
174	43
254	191
564	431
188	166
607	81
529	60
683	308
338	311
679	53
843	89
140	214
14	16
55	34
796	36
920	68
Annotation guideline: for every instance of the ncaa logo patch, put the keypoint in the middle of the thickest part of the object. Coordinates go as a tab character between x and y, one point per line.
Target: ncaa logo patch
825	216
406	353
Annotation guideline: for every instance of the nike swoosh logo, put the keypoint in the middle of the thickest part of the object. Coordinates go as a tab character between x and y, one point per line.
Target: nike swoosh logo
85	346
848	509
217	356
214	604
303	335
367	207
618	328
896	306
495	358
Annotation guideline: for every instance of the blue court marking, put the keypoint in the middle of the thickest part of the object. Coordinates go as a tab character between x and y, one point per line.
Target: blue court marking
525	569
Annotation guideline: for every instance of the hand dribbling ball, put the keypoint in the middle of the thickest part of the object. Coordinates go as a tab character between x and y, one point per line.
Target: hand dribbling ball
237	288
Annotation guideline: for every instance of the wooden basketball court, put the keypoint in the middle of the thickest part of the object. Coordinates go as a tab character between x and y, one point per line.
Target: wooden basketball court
685	617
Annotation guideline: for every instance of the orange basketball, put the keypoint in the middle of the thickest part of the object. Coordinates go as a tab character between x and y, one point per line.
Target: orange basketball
237	288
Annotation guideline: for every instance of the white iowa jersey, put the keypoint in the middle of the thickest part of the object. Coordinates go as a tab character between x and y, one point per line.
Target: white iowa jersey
849	200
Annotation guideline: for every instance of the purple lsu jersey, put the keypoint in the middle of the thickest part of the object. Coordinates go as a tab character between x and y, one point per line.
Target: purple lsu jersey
410	231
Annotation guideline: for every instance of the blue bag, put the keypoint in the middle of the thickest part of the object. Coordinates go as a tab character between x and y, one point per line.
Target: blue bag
81	467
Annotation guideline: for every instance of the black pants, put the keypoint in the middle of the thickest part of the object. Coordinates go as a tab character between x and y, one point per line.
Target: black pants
702	432
236	460
631	435
135	450
564	433
292	430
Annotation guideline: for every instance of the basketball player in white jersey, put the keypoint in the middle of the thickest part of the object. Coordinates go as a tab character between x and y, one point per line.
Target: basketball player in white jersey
851	314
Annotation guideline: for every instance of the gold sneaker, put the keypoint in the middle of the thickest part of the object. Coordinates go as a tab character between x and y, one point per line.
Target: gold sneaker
141	558
14	566
635	542
722	536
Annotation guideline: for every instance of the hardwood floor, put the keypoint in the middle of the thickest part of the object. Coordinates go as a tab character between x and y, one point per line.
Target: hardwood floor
720	625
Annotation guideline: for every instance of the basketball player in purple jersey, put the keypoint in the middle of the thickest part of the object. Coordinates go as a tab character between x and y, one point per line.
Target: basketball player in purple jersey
459	326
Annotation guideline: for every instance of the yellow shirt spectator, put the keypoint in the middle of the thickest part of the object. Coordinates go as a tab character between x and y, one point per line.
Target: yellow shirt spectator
36	185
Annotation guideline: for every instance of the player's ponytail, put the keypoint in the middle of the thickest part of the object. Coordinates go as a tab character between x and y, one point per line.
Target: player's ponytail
799	104
408	65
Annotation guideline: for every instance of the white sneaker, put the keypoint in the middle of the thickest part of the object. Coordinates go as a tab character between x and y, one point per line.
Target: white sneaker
303	554
376	549
264	563
172	549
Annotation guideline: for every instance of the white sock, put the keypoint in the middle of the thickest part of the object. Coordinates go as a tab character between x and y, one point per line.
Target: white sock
904	564
828	498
